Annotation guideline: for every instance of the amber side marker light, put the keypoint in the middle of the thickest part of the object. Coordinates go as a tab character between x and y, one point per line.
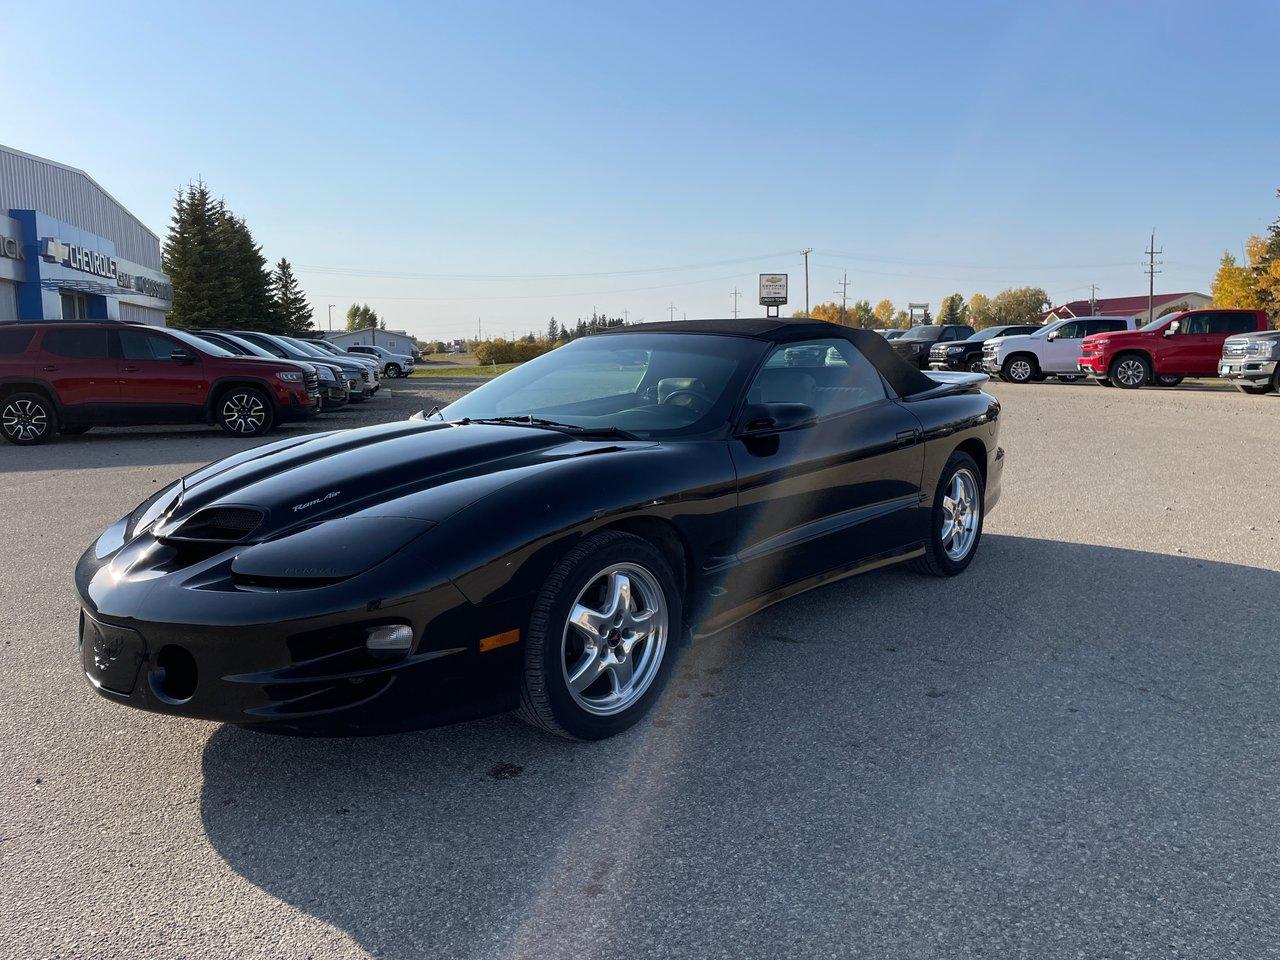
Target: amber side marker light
499	640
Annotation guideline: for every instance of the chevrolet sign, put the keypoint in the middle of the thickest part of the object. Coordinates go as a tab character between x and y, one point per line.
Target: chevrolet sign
76	257
10	248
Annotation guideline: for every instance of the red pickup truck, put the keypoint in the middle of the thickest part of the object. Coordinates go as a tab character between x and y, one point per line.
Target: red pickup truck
1171	347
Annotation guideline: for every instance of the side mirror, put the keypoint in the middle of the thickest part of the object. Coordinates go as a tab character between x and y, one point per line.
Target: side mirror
762	419
1173	327
1051	336
182	356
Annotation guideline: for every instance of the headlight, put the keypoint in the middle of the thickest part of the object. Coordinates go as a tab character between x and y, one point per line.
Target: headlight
324	373
1261	348
290	376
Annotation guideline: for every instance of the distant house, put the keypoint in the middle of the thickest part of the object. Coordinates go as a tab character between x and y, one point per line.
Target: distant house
1162	303
397	341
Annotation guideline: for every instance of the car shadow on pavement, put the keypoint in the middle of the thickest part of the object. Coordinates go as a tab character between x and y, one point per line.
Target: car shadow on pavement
1066	750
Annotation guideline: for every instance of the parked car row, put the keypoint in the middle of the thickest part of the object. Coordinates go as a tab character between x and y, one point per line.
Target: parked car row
68	377
1237	345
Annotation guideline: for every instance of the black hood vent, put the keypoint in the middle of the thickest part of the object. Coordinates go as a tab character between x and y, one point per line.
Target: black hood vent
222	524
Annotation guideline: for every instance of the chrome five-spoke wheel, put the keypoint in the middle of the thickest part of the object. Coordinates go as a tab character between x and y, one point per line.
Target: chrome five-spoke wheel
614	639
961	509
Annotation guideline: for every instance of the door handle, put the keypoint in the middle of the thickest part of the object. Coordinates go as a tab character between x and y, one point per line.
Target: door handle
907	436
129	369
49	367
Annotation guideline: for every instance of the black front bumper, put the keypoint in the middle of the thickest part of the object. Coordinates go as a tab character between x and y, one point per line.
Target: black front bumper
289	661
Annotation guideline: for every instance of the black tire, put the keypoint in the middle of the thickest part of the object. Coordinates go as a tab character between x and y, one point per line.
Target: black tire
1070	377
1129	371
1168	381
936	562
545	697
975	366
1020	368
1254	389
78	430
1102	381
27	419
244	412
391	371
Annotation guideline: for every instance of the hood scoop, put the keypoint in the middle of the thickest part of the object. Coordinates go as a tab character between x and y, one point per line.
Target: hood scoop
222	524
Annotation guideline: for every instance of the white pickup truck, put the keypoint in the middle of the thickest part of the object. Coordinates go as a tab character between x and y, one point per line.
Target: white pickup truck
1052	351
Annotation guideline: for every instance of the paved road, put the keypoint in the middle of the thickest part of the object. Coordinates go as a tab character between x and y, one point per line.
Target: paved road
1071	751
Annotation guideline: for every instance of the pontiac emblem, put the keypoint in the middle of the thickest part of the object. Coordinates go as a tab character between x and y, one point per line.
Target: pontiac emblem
106	650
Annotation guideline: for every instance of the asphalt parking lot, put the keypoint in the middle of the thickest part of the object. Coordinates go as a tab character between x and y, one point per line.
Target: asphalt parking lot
1070	751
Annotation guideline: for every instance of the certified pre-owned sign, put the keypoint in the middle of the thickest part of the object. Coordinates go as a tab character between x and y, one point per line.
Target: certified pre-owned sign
773	289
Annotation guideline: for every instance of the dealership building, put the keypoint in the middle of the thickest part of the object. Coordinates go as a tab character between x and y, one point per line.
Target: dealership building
69	250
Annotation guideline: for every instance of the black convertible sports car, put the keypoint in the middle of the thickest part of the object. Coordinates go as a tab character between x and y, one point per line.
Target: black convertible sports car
544	543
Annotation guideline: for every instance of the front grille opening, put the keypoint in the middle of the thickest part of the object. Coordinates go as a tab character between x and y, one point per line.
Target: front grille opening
223	524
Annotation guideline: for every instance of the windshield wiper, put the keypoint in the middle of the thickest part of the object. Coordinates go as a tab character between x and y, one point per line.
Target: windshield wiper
529	420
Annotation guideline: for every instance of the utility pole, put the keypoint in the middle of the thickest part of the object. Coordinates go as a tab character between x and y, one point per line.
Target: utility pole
331	306
1093	299
736	294
844	295
1152	263
671	311
805	253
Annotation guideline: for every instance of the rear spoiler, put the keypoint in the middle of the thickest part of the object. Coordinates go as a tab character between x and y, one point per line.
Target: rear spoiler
949	382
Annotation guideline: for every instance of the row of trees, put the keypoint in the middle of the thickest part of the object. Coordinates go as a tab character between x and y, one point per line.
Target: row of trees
501	350
1015	305
219	274
1254	285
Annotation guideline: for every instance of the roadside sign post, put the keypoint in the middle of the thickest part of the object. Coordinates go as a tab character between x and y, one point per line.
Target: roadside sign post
773	292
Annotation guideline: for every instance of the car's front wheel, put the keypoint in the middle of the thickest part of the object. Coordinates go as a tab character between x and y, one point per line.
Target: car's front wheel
1130	372
956	523
391	371
1019	369
601	638
27	419
245	412
976	366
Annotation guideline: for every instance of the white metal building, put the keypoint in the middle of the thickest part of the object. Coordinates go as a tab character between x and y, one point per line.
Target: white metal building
69	250
397	341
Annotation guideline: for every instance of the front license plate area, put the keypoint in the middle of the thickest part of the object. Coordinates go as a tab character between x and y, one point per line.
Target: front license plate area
111	655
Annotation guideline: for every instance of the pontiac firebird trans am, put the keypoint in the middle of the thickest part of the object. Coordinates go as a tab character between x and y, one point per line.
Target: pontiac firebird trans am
547	542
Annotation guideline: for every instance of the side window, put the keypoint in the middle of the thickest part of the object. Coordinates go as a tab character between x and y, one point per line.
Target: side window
1231	323
1071	331
1111	326
74	344
271	348
1195	323
13	342
832	376
139	345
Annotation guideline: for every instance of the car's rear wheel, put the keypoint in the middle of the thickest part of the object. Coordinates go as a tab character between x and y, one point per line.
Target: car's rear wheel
1019	369
601	638
27	419
1168	380
1130	372
956	524
245	412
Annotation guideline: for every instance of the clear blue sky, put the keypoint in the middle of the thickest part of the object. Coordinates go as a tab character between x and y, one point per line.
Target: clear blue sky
924	148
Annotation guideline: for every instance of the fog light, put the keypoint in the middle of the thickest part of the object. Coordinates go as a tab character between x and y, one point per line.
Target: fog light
389	640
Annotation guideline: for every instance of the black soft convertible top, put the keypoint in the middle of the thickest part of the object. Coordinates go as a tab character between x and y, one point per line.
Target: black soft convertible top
904	378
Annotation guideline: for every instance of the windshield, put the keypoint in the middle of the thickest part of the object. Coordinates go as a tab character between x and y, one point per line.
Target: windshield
990	332
923	332
1048	328
199	343
306	348
248	346
325	347
650	385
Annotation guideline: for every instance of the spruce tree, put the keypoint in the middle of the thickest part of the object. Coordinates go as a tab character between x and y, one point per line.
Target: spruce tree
291	308
249	301
193	259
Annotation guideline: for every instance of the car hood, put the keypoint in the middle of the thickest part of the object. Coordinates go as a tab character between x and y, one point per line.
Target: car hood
1257	335
410	470
910	347
1122	336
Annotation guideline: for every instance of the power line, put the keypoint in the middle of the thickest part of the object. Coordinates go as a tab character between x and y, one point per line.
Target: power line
639	271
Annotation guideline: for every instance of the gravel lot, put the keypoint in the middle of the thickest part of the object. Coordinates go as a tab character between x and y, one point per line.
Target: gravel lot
1071	751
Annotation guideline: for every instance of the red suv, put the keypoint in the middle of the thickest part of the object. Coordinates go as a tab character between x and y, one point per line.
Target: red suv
69	377
1171	347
